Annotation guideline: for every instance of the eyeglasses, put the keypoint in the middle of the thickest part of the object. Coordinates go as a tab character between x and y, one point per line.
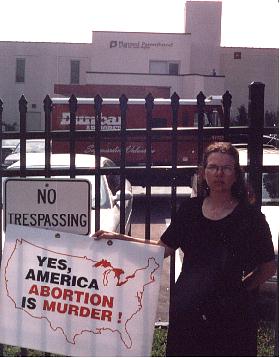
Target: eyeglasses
226	169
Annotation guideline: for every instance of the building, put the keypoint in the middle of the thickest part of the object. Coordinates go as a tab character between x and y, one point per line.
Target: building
136	64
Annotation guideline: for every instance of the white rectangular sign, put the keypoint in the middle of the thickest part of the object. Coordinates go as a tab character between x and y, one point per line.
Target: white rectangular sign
57	204
76	296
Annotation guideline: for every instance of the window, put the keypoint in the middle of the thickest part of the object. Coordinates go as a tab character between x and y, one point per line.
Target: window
20	70
237	55
158	67
164	68
174	69
75	72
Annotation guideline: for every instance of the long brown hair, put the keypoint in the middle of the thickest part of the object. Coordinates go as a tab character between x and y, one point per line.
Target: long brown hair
240	189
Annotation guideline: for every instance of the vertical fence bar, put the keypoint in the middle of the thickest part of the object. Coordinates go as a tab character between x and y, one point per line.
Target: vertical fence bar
123	108
200	109
97	108
47	110
255	146
73	106
226	101
22	113
149	105
175	109
1	197
1	130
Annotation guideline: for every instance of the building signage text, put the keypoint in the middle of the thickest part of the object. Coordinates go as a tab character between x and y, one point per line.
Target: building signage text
140	44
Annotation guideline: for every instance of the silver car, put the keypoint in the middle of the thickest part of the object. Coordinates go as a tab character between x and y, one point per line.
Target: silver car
8	147
32	146
109	187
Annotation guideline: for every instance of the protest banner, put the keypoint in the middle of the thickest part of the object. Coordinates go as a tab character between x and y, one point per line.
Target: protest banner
72	295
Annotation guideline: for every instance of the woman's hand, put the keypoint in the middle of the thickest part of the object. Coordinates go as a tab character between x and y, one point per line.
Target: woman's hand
261	274
102	234
108	235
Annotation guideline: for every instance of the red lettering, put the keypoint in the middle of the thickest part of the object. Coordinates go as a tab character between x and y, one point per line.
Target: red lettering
95	314
45	291
56	292
60	308
95	299
107	301
73	309
49	306
34	290
106	315
84	311
68	294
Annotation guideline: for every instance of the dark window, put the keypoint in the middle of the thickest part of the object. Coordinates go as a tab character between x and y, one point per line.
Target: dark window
20	70
75	72
173	68
237	55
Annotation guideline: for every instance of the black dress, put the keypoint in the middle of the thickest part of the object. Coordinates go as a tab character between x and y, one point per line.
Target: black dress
211	314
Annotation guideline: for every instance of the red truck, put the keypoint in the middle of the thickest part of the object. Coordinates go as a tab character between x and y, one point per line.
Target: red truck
136	119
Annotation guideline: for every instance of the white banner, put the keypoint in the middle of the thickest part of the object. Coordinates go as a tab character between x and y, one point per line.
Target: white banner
75	296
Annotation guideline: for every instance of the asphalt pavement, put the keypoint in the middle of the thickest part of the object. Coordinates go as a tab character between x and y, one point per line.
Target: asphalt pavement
160	219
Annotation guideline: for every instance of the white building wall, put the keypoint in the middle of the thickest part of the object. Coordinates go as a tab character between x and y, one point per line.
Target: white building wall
255	65
45	65
131	52
123	58
203	23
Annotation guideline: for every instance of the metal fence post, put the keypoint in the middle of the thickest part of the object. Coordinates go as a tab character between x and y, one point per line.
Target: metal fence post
175	108
226	101
149	105
255	142
73	106
97	108
1	129
200	109
22	113
123	108
47	110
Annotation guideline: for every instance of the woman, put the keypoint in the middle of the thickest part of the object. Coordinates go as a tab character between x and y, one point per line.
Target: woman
228	253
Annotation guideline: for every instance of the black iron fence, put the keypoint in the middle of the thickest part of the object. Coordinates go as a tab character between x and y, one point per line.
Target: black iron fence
147	174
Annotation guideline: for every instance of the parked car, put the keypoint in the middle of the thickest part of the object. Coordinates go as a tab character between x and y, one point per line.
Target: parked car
109	187
8	146
32	146
270	184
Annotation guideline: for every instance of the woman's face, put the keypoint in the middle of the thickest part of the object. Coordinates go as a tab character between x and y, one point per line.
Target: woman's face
220	172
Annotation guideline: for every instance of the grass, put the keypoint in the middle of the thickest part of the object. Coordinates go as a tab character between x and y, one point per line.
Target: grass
266	340
266	343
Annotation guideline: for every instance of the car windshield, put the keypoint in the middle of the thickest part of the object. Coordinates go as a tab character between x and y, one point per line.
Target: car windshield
32	147
104	196
10	142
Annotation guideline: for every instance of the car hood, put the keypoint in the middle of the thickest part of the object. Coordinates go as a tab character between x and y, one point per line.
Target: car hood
272	217
107	220
14	157
270	156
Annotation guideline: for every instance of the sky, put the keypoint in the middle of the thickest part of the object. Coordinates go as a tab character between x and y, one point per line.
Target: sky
245	23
